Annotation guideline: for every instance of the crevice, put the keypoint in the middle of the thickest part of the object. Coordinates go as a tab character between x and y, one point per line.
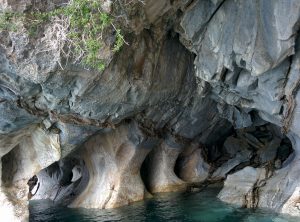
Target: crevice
290	101
203	30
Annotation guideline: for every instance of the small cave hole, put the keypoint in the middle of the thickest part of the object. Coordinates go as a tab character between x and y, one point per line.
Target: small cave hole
10	164
243	63
60	182
144	172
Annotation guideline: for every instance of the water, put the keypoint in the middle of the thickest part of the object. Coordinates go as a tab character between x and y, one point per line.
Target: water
200	207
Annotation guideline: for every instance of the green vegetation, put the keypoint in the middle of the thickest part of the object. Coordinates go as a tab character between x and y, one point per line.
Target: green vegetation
8	21
85	22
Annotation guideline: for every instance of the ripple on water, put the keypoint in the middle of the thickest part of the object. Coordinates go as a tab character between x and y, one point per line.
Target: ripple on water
189	207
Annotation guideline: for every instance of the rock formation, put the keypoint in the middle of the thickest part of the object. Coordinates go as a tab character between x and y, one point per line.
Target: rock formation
205	91
34	152
113	161
241	187
160	175
191	165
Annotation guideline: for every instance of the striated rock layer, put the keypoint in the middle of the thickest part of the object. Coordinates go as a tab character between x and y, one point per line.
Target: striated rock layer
113	161
160	176
205	91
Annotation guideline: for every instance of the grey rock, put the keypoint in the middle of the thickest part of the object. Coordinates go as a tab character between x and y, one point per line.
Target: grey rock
191	165
160	176
193	71
239	188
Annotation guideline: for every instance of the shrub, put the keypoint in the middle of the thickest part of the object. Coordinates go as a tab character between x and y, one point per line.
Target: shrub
81	22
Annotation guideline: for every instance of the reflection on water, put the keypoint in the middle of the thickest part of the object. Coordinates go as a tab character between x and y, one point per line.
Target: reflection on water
201	207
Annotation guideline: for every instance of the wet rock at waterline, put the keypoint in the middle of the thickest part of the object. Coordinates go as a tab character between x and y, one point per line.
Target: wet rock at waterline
204	91
33	153
191	165
159	175
241	187
113	161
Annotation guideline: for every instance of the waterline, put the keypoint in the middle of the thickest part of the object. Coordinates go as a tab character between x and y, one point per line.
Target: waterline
201	207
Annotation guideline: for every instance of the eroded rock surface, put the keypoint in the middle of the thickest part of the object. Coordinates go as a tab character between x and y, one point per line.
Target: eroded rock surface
33	153
113	160
210	72
192	166
241	187
160	175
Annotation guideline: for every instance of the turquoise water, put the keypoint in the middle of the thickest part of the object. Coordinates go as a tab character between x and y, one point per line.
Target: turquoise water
201	206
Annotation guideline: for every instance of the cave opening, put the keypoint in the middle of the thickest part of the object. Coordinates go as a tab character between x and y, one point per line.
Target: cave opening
169	166
61	182
256	146
144	172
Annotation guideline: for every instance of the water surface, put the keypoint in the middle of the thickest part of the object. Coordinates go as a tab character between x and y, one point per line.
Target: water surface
202	207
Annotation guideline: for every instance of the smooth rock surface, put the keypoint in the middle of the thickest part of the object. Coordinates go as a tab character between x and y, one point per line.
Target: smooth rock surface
192	166
292	205
34	153
114	168
160	176
240	187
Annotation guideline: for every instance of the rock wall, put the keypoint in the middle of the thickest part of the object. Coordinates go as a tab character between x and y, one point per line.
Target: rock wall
205	90
113	161
33	153
159	175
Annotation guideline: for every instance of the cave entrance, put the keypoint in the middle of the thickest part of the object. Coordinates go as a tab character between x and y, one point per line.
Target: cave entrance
61	182
198	162
257	146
